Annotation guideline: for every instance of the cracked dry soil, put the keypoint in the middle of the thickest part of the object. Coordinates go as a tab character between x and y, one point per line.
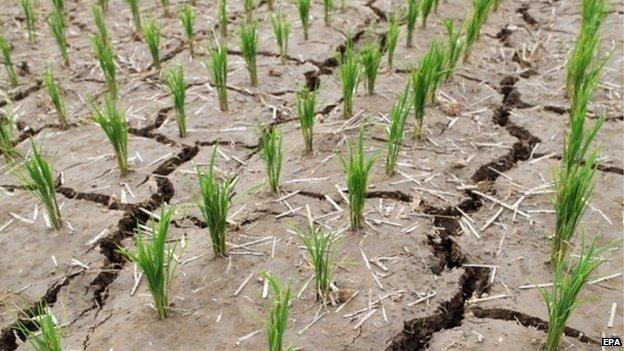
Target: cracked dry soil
498	129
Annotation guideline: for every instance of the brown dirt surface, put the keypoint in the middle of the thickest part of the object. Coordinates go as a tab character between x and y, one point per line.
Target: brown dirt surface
438	266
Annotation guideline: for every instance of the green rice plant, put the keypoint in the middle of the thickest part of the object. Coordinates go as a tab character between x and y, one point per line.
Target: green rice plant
136	15
349	71
281	30
398	117
248	6
156	260
103	4
370	57
319	246
100	24
187	16
8	133
357	170
454	49
47	335
412	14
55	96
59	6
573	189
174	79
271	141
215	204
424	82
104	54
31	19
151	35
436	57
306	107
218	71
392	37
248	35
5	47
562	298
223	19
585	64
165	6
304	15
38	177
113	123
425	9
55	22
475	22
277	321
327	11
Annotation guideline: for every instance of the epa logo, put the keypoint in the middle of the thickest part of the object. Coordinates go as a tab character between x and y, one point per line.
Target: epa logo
611	342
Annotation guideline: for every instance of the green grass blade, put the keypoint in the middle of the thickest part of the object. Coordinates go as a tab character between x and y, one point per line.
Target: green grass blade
5	48
281	30
273	155
248	35
218	70
303	7
370	57
349	72
277	320
151	35
55	96
174	79
55	22
392	38
113	123
306	110
187	16
398	117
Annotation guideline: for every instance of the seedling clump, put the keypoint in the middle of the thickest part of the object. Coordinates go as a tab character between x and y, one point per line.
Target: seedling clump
398	117
6	58
218	70
249	46
55	22
357	169
156	260
277	321
8	134
223	19
391	39
47	336
37	176
425	10
370	56
412	14
475	22
136	14
306	105
151	34
327	10
455	47
304	16
113	123
187	16
215	204
281	30
273	154
319	246
349	71
31	19
55	96
174	79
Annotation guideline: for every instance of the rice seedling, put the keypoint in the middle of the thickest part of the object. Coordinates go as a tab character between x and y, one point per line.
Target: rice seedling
273	155
174	79
55	96
103	4
425	9
136	15
8	63
59	8
156	260
370	57
562	298
187	16
8	133
218	70
151	35
248	6
327	11
100	24
38	177
165	6
319	246
306	106
277	320
392	37
424	82
31	19
113	123
215	204
304	15
248	35
223	19
104	54
349	71
412	14
55	22
281	30
357	170
473	26
398	117
585	64
46	335
455	46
